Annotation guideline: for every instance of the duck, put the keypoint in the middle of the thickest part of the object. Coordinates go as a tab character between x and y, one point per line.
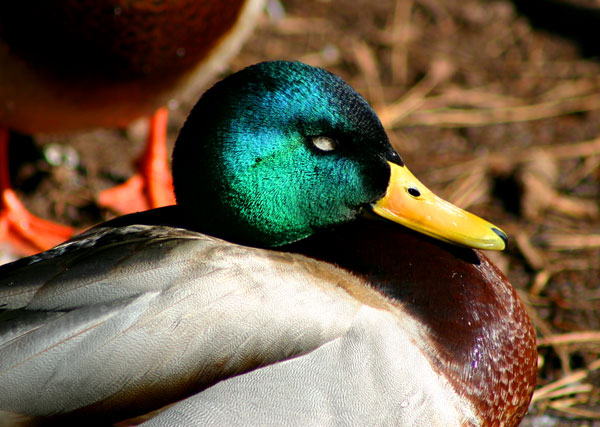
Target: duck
304	277
68	65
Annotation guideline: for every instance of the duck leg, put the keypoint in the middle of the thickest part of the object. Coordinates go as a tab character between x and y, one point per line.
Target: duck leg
152	185
22	230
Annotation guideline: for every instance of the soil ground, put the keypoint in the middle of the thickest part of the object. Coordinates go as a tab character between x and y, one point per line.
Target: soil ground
491	112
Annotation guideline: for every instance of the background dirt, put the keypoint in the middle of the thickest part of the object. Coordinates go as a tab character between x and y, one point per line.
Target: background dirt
496	115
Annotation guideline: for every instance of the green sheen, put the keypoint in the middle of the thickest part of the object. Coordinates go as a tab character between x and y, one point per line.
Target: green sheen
246	167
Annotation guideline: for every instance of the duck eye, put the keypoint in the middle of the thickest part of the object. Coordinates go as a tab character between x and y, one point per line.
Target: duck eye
323	143
414	192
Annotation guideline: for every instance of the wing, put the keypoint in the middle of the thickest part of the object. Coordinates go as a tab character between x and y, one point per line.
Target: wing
121	324
370	375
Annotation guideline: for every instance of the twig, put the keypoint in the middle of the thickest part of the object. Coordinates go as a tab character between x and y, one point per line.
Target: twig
559	241
367	63
575	377
401	34
472	188
533	256
570	390
396	112
570	338
456	117
519	155
578	412
539	282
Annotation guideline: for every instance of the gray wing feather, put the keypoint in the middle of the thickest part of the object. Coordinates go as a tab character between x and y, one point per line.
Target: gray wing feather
355	380
104	325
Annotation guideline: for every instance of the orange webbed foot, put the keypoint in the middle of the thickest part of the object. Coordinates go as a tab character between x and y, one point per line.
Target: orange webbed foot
23	231
152	185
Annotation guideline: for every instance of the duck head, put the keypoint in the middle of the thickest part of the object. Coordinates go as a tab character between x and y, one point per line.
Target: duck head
279	150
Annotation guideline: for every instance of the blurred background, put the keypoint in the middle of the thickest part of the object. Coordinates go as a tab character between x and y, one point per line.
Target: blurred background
493	104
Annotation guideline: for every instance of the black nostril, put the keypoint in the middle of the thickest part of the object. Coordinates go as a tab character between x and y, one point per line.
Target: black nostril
414	192
501	234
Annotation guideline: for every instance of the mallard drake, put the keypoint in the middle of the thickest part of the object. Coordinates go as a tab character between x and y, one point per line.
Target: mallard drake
283	288
68	65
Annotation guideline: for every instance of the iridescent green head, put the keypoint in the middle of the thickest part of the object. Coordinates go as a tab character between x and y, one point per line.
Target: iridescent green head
279	150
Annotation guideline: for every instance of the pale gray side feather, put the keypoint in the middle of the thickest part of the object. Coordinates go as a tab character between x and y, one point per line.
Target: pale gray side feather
190	309
369	376
265	338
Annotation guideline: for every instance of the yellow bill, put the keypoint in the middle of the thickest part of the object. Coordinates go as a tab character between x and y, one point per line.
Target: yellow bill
408	202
